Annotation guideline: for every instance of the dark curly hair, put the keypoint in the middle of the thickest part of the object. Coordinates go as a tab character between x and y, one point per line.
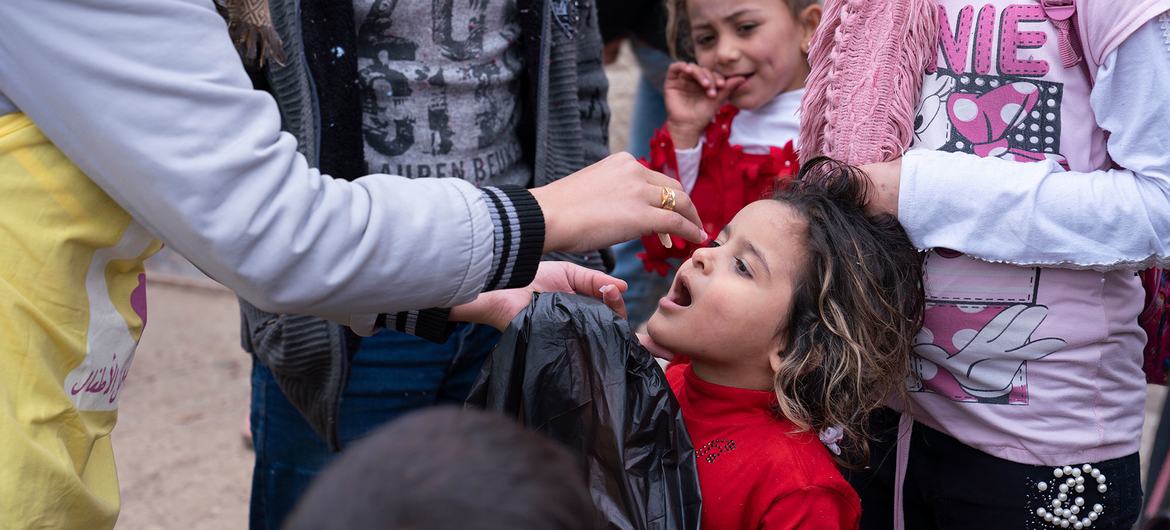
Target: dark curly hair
855	311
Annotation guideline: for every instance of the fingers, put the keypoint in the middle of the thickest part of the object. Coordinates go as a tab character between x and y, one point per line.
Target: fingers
613	299
677	70
590	282
673	223
654	348
729	88
710	81
683	206
995	329
684	213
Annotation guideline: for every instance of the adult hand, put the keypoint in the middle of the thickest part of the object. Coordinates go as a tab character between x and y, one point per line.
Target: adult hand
885	181
498	308
612	297
614	200
693	95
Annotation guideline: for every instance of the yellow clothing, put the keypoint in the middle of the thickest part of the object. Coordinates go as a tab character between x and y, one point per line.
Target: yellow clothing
74	306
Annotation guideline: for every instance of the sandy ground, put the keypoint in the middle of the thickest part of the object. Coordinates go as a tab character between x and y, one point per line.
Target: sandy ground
181	459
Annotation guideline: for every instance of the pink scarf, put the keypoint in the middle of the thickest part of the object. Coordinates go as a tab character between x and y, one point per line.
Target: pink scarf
867	60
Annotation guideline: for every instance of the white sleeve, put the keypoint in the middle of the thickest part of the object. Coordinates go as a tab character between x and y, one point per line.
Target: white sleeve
1037	214
688	165
149	99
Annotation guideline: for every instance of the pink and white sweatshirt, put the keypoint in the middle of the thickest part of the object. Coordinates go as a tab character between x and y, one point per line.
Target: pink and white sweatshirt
1040	191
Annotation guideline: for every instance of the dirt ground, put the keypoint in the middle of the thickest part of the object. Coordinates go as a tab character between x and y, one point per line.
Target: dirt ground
181	459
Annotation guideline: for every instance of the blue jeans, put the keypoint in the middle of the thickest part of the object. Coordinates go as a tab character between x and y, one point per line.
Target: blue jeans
393	373
649	105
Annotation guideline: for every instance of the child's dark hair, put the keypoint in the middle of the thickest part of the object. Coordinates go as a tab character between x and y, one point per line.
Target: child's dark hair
678	26
449	469
855	311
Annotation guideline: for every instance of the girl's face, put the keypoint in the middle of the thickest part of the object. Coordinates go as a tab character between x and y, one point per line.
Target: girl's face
729	304
755	39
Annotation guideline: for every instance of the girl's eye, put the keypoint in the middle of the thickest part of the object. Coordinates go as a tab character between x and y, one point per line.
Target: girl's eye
703	41
714	244
745	28
742	268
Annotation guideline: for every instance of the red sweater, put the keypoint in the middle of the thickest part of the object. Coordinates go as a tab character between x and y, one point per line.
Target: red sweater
753	472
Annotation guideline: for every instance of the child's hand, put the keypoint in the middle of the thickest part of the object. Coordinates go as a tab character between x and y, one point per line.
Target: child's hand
693	95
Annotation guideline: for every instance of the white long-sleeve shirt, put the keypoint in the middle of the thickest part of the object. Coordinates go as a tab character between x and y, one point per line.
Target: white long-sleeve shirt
1104	219
1030	348
150	100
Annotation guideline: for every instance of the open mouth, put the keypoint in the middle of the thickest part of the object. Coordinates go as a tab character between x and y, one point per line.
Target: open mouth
681	293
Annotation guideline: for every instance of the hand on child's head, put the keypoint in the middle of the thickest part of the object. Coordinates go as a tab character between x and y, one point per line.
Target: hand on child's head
885	179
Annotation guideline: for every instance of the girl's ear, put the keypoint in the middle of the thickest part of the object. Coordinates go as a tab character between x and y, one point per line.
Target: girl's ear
777	355
809	19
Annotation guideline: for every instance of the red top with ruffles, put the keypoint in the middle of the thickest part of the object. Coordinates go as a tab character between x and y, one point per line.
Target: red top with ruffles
728	180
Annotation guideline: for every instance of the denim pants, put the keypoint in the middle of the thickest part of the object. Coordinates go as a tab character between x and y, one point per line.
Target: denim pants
392	374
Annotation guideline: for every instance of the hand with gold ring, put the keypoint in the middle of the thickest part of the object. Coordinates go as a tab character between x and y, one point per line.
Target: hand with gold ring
666	203
614	200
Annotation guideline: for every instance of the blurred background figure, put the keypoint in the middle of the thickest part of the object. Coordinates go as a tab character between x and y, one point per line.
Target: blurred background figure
449	469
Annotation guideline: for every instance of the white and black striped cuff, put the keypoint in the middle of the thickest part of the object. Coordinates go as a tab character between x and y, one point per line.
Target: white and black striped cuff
519	236
428	324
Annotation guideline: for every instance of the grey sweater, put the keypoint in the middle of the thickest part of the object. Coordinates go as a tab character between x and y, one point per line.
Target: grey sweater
564	107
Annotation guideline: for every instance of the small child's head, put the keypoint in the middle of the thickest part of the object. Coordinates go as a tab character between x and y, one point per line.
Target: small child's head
806	295
449	469
764	41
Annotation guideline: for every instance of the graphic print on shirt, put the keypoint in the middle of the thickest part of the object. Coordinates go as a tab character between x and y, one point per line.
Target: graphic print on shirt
979	336
439	84
713	450
117	315
983	323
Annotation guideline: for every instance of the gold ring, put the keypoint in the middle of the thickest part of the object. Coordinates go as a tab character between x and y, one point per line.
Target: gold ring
667	200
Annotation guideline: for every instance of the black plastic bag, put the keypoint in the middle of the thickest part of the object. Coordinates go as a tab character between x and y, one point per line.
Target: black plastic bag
568	367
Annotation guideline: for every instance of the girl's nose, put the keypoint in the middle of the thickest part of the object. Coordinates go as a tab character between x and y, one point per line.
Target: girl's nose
728	52
700	258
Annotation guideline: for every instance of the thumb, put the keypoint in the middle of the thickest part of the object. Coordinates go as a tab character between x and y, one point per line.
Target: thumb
589	282
613	298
